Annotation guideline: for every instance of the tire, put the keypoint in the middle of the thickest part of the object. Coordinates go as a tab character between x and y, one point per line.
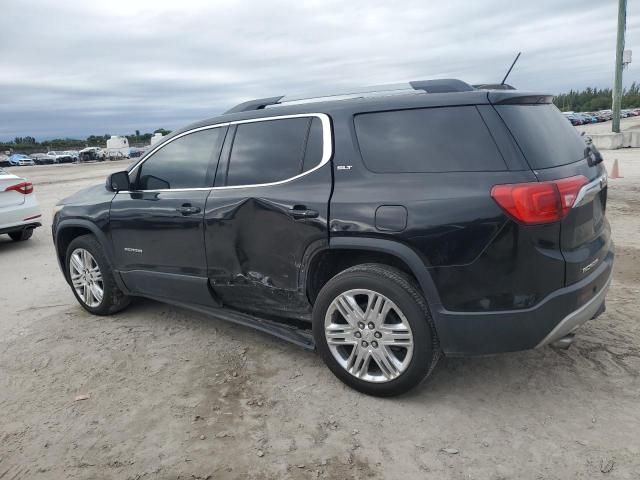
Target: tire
407	311
22	235
112	299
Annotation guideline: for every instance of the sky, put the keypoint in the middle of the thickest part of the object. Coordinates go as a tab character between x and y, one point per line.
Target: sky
72	68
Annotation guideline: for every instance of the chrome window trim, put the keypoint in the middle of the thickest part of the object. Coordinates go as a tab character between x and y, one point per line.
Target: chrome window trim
327	151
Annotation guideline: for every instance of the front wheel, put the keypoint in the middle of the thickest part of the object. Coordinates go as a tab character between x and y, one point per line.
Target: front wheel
373	328
91	278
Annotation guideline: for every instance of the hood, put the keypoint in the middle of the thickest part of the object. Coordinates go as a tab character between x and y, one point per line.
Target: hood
92	194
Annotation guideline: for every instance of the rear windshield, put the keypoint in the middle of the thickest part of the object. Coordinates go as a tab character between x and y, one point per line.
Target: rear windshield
445	139
546	138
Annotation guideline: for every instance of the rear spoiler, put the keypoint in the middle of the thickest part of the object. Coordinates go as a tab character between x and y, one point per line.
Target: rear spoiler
516	97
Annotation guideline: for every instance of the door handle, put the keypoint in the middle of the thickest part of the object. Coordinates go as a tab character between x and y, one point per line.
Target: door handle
188	210
300	211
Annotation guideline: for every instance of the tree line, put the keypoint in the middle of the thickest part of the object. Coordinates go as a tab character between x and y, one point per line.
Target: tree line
593	99
29	144
587	100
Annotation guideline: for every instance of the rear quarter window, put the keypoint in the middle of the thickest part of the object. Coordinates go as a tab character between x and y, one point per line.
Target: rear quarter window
444	139
546	138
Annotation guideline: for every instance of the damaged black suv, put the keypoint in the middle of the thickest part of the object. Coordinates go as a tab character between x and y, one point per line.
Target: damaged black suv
384	227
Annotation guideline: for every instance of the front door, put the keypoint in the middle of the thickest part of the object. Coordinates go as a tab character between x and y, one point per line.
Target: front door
269	205
157	227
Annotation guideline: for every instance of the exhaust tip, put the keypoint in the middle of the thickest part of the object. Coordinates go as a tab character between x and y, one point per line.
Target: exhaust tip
565	342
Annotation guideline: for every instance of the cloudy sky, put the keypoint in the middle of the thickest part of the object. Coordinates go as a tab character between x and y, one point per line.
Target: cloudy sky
80	67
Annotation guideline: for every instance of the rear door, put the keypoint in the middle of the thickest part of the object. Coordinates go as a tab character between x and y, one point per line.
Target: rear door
554	150
157	227
269	206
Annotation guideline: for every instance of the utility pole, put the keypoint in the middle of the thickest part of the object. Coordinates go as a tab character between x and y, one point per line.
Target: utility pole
617	86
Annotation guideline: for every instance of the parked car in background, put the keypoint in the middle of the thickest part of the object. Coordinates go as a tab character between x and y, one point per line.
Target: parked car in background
4	160
606	114
382	229
591	118
19	209
73	153
586	119
20	159
573	118
116	155
42	158
91	154
595	117
60	157
135	152
583	118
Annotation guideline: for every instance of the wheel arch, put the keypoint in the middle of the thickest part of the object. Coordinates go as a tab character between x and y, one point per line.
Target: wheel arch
68	230
396	253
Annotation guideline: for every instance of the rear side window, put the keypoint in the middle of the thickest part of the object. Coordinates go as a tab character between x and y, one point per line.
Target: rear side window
449	139
269	151
182	163
545	137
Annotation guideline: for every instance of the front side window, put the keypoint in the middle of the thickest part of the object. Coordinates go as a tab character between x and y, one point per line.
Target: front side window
183	163
271	150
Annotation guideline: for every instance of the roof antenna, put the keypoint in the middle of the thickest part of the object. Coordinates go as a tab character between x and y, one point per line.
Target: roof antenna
510	68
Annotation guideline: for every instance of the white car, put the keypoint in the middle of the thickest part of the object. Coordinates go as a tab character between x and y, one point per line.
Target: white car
91	153
19	209
74	154
60	157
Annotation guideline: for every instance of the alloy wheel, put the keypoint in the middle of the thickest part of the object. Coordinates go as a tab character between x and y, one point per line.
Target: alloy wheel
368	335
86	277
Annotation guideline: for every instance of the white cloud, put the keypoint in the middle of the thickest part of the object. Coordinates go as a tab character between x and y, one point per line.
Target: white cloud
76	67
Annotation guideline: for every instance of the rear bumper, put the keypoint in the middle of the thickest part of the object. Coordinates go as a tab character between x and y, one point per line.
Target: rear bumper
20	216
568	324
561	312
18	228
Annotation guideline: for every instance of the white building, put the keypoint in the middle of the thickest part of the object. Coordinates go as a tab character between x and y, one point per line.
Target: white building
118	145
156	138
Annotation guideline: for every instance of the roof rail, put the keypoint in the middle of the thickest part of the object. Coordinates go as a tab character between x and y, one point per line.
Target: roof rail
256	104
446	85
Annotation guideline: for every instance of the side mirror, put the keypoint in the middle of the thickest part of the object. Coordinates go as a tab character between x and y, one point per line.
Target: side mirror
118	181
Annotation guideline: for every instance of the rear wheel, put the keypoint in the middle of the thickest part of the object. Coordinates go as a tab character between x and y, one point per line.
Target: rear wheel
374	331
22	235
91	278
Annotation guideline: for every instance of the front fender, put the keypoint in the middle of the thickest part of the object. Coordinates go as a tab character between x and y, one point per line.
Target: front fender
88	227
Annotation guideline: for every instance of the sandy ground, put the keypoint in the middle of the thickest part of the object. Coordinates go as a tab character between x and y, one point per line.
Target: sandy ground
173	394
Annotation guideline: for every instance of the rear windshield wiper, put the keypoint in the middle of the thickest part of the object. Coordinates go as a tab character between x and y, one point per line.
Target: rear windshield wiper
592	154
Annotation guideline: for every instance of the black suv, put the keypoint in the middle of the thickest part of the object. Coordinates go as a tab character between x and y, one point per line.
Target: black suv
383	228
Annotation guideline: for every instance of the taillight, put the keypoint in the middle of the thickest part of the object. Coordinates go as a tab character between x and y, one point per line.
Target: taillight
25	188
539	202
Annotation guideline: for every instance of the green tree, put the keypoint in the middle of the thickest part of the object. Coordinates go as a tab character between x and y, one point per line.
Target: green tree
591	99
